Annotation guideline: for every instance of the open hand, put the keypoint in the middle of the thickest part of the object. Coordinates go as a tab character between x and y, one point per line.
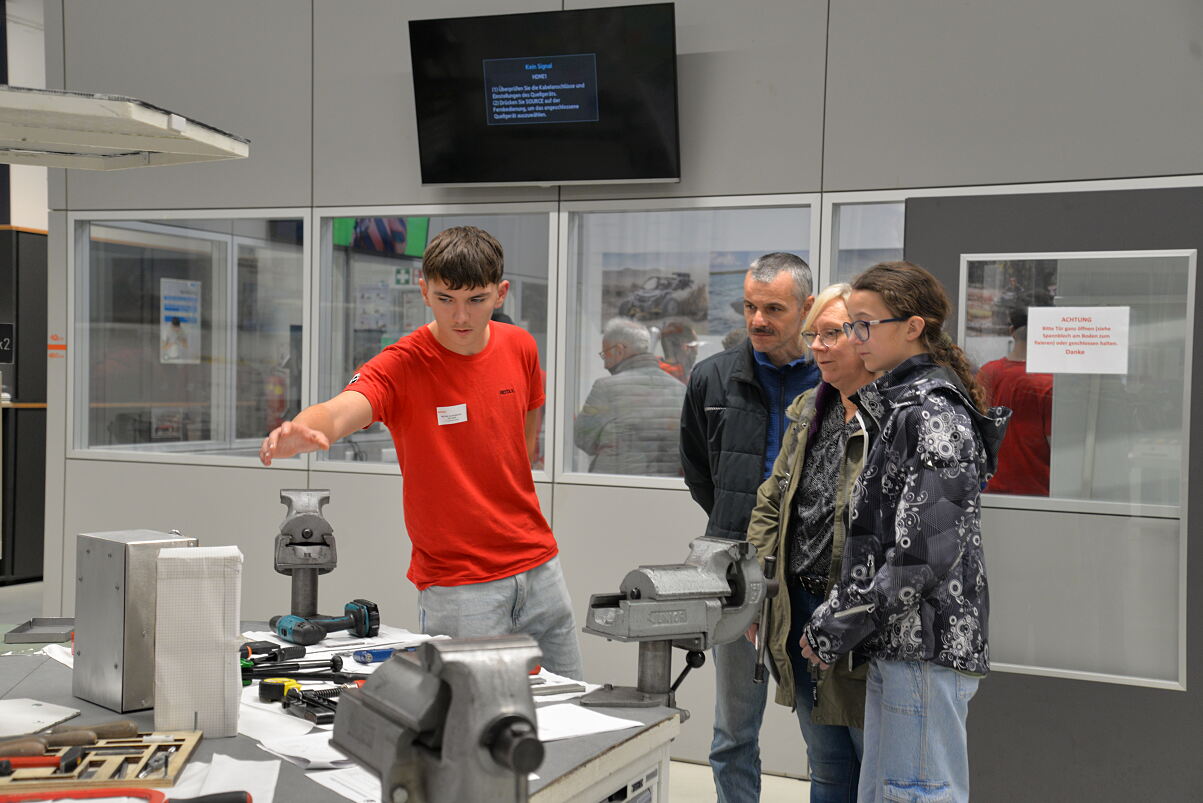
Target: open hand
290	439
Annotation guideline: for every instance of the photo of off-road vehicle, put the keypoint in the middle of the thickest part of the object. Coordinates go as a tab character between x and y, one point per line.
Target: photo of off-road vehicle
663	296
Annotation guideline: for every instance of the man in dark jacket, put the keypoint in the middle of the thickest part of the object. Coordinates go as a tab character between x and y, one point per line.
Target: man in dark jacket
731	430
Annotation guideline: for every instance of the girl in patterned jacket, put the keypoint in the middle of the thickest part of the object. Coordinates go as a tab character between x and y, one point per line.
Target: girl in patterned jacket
912	596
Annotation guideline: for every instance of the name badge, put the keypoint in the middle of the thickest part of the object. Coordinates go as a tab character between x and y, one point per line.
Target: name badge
455	414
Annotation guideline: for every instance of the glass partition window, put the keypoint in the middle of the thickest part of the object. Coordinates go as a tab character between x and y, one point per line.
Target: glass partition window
668	287
863	235
370	298
190	333
1090	352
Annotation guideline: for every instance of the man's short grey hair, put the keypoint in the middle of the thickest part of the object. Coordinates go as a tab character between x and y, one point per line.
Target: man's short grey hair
768	267
634	335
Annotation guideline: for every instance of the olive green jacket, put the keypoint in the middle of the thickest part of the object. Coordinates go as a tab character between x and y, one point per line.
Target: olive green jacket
841	689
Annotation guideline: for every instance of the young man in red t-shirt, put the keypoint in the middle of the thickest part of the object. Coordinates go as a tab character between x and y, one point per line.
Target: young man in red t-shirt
460	397
1023	458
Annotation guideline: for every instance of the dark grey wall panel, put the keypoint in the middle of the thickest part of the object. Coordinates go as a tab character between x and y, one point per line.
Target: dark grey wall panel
242	67
364	135
750	87
930	93
1036	738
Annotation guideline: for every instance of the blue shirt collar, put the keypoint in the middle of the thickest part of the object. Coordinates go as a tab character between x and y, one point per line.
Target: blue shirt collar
763	359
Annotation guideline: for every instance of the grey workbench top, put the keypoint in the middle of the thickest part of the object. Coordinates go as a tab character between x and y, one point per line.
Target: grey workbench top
42	678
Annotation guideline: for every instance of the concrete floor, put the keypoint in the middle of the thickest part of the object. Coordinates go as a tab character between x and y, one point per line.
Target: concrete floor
689	783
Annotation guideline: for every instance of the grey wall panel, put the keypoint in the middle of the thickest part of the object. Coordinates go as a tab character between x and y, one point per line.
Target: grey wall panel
242	67
750	86
1038	738
364	135
52	11
930	93
606	532
1124	575
53	551
217	505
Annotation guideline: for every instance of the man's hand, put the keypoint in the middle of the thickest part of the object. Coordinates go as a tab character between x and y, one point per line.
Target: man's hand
751	634
809	654
290	439
317	427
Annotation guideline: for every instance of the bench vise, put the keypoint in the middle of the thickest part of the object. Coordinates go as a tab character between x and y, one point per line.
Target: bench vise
711	598
305	546
456	722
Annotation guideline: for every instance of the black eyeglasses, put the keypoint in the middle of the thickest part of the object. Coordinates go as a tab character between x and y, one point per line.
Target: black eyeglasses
860	329
828	338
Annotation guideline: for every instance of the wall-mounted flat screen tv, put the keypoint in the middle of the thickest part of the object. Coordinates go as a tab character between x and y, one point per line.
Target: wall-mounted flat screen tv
556	97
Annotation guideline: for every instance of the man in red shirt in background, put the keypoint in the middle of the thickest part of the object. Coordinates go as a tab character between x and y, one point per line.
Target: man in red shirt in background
1023	459
460	397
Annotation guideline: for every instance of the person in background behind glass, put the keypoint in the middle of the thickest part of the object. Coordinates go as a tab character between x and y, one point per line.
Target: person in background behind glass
1023	459
679	343
630	421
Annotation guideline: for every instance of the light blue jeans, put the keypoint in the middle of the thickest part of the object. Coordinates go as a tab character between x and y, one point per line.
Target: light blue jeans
915	742
738	712
534	602
834	751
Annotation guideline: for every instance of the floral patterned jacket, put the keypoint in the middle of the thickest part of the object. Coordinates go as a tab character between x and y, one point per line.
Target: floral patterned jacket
913	583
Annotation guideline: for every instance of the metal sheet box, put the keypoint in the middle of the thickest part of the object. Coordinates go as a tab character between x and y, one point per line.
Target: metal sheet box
115	579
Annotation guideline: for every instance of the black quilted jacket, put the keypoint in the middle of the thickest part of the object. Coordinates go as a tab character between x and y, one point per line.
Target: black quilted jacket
723	428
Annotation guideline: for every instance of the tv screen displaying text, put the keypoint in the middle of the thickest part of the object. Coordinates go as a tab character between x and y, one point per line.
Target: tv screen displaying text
549	89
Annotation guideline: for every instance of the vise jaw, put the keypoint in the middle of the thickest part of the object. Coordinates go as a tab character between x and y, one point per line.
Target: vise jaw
455	723
709	599
305	547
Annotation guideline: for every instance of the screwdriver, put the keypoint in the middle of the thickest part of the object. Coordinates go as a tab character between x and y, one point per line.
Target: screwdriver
375	656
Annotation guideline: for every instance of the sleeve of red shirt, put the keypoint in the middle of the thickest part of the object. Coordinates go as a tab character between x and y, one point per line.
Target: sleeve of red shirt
380	380
535	376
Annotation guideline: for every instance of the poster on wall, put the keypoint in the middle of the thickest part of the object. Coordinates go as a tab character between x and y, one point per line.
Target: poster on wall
179	321
372	305
651	287
1078	340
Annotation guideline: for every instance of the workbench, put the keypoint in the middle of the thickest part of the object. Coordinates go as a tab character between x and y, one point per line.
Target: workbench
586	769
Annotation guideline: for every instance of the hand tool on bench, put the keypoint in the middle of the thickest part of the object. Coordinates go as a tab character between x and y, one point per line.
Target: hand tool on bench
66	763
266	652
67	735
360	617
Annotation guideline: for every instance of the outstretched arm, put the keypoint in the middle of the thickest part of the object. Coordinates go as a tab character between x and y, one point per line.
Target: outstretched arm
317	426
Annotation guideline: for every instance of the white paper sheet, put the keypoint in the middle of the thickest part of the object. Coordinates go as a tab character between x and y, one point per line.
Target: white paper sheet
567	721
260	723
353	783
59	652
311	751
226	774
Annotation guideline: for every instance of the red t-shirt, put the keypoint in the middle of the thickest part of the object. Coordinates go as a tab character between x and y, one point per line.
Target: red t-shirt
458	422
1023	458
